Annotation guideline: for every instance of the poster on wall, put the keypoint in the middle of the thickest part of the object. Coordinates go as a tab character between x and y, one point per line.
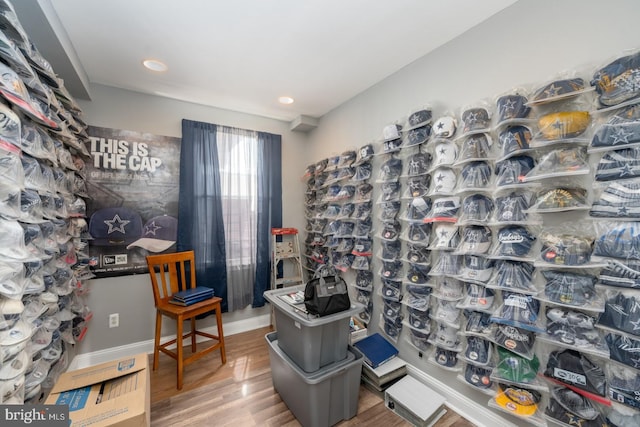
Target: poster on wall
133	182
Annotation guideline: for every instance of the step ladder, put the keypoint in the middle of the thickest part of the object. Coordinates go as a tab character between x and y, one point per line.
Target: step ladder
286	264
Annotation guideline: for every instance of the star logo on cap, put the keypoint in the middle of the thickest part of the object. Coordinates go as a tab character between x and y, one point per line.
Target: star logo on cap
620	135
551	91
509	104
626	170
472	118
622	211
116	224
152	228
573	419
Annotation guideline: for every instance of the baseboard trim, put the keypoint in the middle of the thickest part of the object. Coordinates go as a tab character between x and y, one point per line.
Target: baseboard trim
101	356
473	411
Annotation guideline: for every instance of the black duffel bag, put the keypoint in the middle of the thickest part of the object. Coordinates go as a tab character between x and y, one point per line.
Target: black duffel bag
326	295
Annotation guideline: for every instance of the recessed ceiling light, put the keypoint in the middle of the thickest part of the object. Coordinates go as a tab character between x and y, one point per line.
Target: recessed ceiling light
285	100
155	65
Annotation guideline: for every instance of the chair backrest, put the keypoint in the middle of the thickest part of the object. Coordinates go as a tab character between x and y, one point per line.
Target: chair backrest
171	273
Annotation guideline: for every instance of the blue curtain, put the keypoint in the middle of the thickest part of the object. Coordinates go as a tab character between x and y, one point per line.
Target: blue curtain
269	208
200	223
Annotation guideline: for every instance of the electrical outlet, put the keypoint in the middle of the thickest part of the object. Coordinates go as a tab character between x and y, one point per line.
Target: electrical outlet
114	320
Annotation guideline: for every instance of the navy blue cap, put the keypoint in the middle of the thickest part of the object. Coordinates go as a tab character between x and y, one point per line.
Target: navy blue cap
419	117
475	239
391	269
362	172
419	164
418	254
476	207
516	275
514	240
117	226
418	208
365	153
346	210
363	192
514	139
478	322
418	186
518	310
391	250
621	241
624	349
476	174
390	191
417	135
574	368
512	107
419	338
475	147
478	376
621	313
569	288
419	232
390	230
512	207
364	279
558	89
565	249
391	169
418	273
445	357
513	170
419	319
475	119
389	210
618	81
621	129
619	164
478	350
391	146
571	408
518	340
347	158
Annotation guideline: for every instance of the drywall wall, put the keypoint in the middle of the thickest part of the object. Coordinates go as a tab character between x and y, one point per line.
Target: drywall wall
525	45
131	296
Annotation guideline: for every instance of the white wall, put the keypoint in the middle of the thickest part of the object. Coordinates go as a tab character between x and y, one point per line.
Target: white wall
131	296
525	44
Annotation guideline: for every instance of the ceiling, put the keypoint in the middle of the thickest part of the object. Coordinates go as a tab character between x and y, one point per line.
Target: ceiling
242	55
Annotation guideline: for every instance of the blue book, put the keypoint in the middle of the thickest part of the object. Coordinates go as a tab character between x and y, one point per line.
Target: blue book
187	294
376	350
191	301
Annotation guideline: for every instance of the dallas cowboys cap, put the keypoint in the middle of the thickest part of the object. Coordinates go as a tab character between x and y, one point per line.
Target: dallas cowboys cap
619	241
445	127
618	200
572	367
621	130
475	175
476	207
418	209
419	319
618	81
565	249
391	146
444	357
443	181
622	313
362	210
362	172
518	340
569	288
475	239
419	338
478	350
419	117
390	191
389	210
514	241
419	290
512	107
159	234
475	119
624	349
478	376
514	139
512	207
391	269
518	400
571	408
476	268
478	297
390	250
445	236
515	368
345	245
417	136
391	290
364	279
445	153
563	125
116	226
513	171
347	158
475	147
363	192
448	264
444	209
558	89
446	336
390	230
417	186
619	164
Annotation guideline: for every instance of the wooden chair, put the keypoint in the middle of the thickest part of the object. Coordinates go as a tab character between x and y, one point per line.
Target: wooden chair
167	271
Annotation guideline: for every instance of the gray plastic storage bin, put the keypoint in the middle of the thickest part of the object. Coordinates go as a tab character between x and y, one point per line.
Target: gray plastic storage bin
320	399
311	342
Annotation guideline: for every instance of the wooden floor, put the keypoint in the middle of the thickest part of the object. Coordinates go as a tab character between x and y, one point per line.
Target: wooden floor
240	393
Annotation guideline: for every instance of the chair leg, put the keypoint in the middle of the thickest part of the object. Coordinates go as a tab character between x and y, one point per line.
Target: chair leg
223	354
179	351
193	334
156	344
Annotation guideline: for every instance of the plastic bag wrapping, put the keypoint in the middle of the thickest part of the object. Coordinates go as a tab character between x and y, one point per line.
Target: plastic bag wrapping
515	276
513	140
619	200
476	118
520	310
621	312
475	176
444	209
619	165
618	81
475	147
563	161
575	329
618	129
512	208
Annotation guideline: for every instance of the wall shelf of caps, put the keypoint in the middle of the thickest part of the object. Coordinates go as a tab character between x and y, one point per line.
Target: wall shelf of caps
43	232
507	243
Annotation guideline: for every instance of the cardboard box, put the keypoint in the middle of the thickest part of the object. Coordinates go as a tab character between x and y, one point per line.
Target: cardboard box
357	330
115	393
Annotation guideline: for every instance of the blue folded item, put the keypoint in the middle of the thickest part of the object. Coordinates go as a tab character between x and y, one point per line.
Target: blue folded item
193	293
